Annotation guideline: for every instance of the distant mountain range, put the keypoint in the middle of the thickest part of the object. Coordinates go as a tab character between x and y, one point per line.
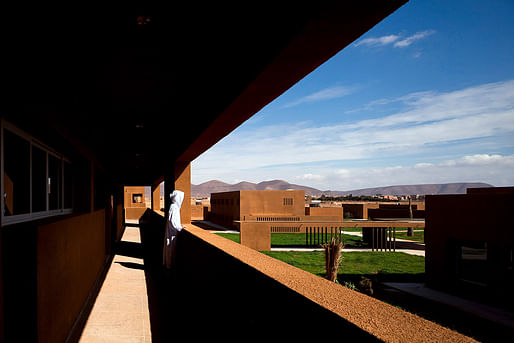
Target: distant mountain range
214	186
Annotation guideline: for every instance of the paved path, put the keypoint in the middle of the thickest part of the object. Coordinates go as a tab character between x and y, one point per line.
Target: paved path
407	251
478	309
120	313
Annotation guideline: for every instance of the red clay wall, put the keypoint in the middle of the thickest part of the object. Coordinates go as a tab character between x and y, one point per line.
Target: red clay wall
255	236
197	212
359	210
134	213
267	295
70	257
273	202
335	212
466	217
227	207
129	191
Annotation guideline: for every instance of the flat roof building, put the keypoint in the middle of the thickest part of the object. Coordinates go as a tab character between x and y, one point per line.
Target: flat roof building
228	207
256	214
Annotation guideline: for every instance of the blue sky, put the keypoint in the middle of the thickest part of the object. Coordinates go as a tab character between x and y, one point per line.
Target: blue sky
426	96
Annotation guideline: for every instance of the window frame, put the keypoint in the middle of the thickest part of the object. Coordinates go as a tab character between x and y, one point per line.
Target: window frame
33	142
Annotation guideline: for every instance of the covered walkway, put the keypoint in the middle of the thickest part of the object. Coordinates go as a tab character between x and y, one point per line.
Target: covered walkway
141	301
224	290
120	312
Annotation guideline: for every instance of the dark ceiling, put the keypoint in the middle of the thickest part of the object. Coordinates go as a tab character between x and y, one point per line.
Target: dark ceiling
139	88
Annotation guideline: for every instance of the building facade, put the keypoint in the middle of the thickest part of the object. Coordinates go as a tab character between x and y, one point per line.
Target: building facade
227	208
469	243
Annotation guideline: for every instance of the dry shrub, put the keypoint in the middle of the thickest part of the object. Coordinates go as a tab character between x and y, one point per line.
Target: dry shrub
333	251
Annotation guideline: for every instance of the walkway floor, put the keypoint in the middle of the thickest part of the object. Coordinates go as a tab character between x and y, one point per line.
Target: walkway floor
120	313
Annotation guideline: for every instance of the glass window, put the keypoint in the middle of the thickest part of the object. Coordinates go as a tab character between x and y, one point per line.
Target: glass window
16	174
39	188
54	182
473	263
35	180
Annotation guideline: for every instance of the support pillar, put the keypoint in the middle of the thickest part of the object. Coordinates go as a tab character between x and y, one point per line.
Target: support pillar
156	198
179	179
183	183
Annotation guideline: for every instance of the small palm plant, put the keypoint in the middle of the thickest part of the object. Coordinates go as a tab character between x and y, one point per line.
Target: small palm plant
333	257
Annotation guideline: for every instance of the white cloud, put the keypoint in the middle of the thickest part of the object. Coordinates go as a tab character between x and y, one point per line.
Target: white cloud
457	123
396	40
411	39
310	177
492	169
374	41
324	94
489	168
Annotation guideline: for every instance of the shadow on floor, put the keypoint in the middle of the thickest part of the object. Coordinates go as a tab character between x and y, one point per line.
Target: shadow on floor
165	298
213	295
130	249
410	245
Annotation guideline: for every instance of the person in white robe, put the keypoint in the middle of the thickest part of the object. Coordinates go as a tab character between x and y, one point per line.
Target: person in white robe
173	227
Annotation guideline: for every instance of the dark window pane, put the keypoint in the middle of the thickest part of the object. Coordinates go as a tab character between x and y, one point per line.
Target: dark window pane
54	182
68	184
16	174
137	198
473	263
39	187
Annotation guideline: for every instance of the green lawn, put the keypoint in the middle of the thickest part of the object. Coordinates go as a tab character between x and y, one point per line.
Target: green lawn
383	266
232	236
295	239
418	236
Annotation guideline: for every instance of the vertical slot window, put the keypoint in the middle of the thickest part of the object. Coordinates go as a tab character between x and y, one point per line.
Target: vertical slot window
16	174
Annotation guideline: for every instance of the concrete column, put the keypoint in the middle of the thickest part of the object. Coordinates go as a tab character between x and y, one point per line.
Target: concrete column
183	183
179	179
156	198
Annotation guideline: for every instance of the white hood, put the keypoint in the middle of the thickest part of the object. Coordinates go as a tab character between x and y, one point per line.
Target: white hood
177	197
